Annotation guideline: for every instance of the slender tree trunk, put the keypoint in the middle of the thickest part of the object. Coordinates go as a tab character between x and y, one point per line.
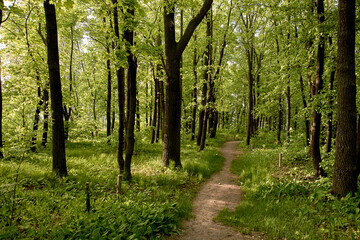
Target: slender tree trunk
162	108
318	85
194	94
36	119
121	95
329	129
346	165
208	99
156	109
109	89
131	97
307	122
249	55
203	132
46	115
288	112
280	119
58	147
68	110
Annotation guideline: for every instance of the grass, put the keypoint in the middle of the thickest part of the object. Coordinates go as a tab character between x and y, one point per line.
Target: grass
34	204
282	203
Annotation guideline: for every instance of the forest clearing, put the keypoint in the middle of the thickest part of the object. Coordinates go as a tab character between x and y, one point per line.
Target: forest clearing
115	119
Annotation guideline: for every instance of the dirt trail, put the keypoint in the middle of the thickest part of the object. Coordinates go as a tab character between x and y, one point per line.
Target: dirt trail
219	192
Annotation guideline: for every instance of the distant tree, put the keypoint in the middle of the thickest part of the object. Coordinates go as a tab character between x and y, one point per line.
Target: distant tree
346	166
58	140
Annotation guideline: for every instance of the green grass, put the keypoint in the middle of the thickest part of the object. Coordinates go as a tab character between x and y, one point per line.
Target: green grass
282	203
34	204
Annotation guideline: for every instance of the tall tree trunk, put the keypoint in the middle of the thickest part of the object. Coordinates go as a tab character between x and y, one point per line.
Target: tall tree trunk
280	119
162	109
249	56
346	167
68	110
58	147
131	94
194	94
156	109
36	118
46	115
120	73
318	85
207	101
307	122
173	53
329	129
288	111
109	88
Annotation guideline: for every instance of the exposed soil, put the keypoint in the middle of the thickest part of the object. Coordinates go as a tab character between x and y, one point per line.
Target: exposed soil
219	192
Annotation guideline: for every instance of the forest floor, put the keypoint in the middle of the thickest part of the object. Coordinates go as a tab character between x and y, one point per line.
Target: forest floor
217	193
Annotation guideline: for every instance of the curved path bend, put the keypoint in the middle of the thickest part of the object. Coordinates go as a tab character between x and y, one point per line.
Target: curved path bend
217	193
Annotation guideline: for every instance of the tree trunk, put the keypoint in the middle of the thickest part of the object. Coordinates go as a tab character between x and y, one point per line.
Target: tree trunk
194	94
156	109
280	119
46	115
58	147
288	112
307	122
208	99
249	55
173	53
109	90
329	129
131	95
318	85
346	167
36	118
121	95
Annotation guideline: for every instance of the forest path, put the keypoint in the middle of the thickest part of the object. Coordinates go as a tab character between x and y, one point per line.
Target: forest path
217	193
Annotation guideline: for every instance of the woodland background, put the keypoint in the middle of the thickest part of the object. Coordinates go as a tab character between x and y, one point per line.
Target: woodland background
264	71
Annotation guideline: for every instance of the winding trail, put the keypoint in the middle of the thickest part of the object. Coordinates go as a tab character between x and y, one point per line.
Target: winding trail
219	192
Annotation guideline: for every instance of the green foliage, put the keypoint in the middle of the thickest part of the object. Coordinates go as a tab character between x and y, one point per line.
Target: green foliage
149	207
278	199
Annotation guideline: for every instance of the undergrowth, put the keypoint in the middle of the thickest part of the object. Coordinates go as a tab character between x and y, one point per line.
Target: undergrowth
34	204
285	202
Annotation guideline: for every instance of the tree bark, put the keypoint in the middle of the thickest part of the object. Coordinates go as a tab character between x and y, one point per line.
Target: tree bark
109	88
173	53
46	115
156	108
288	111
280	119
58	147
131	94
307	122
249	131
346	167
329	129
318	86
194	94
120	73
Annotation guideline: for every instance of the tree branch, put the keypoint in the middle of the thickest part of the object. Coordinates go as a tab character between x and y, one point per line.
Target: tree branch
192	26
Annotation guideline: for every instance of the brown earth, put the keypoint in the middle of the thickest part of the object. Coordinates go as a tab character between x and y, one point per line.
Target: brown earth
217	193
